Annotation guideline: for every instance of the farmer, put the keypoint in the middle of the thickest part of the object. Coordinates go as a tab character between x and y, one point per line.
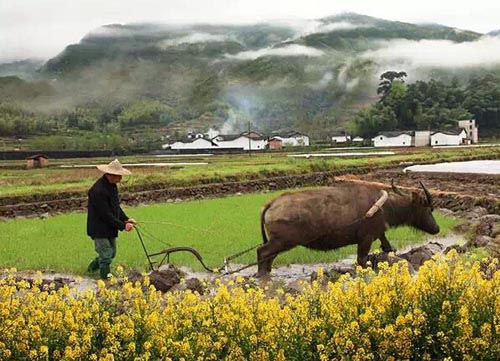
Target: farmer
105	216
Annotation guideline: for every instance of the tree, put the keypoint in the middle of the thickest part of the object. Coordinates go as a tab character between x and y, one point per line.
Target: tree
387	78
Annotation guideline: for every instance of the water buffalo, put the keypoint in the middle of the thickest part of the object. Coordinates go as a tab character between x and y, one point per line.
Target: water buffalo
332	217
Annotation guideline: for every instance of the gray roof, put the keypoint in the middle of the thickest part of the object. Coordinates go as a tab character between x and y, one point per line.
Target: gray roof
289	134
397	133
454	131
229	137
191	140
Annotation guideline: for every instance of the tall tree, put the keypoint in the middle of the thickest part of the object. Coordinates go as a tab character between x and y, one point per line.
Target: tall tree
387	78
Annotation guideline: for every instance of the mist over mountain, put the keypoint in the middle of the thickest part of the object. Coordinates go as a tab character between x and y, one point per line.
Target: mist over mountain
310	74
26	69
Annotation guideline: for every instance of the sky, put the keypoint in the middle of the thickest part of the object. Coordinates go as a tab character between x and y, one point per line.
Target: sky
43	28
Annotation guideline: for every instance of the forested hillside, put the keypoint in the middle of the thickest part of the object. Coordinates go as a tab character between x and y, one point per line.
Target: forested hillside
129	84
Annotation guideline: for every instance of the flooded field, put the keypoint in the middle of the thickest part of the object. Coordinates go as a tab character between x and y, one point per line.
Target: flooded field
347	154
476	166
131	165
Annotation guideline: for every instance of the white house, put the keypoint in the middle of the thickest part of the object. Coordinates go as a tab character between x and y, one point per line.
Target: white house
394	139
358	139
240	141
293	139
449	137
422	138
341	137
191	143
470	128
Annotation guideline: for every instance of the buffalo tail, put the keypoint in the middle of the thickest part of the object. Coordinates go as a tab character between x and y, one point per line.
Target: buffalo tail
262	215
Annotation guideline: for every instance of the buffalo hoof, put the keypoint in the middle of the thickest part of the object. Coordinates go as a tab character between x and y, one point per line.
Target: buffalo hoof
264	276
389	250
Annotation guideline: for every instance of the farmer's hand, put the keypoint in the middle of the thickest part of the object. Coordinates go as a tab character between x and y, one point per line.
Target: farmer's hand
129	226
131	220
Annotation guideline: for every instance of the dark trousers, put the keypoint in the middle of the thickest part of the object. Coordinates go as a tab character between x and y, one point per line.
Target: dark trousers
106	250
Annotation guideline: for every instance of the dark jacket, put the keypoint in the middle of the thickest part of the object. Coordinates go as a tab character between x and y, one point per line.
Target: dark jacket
104	217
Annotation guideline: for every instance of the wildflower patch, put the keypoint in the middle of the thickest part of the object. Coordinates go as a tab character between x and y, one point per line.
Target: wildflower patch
448	311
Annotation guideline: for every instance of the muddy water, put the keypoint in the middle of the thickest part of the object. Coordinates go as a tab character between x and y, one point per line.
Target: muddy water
295	272
286	274
475	166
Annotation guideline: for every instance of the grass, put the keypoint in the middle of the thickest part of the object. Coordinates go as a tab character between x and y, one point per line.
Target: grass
220	168
216	228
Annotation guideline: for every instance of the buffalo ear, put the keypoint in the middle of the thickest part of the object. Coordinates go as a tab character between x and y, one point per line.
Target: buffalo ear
416	198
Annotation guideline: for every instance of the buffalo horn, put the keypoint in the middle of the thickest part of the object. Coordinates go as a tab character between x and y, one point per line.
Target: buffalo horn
396	189
427	194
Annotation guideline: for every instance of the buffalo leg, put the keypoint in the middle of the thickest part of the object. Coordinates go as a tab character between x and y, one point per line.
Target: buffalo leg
386	246
363	250
266	255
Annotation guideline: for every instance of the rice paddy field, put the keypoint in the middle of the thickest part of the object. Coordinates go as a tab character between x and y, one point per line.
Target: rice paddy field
14	180
216	228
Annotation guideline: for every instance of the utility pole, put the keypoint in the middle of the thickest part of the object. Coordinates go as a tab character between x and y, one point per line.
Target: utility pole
249	141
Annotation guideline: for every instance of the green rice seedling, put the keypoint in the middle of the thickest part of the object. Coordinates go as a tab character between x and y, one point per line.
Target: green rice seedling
216	228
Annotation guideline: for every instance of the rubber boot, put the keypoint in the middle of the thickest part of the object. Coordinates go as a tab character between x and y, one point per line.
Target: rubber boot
93	266
104	271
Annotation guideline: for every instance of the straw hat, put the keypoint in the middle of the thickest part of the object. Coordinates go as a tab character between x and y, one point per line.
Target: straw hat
114	167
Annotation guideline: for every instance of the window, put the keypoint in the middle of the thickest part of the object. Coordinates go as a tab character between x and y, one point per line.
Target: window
435	142
381	138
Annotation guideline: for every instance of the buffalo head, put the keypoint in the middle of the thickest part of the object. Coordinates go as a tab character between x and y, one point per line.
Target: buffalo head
421	210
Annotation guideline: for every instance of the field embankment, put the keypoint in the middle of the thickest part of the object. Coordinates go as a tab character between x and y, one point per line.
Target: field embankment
57	191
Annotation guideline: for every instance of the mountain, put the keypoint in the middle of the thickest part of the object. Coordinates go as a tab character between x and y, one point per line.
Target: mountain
494	33
26	69
353	31
312	75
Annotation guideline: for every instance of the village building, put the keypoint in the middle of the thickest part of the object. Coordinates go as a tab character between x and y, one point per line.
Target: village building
292	139
358	139
255	141
449	137
275	143
191	143
340	138
394	139
471	129
422	138
466	133
37	161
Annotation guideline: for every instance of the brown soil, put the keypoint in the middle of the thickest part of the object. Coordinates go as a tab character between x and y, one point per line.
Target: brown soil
453	191
476	185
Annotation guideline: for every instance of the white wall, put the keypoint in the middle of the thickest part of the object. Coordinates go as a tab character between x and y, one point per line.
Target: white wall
301	140
422	138
199	143
340	138
470	129
242	142
447	139
402	140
